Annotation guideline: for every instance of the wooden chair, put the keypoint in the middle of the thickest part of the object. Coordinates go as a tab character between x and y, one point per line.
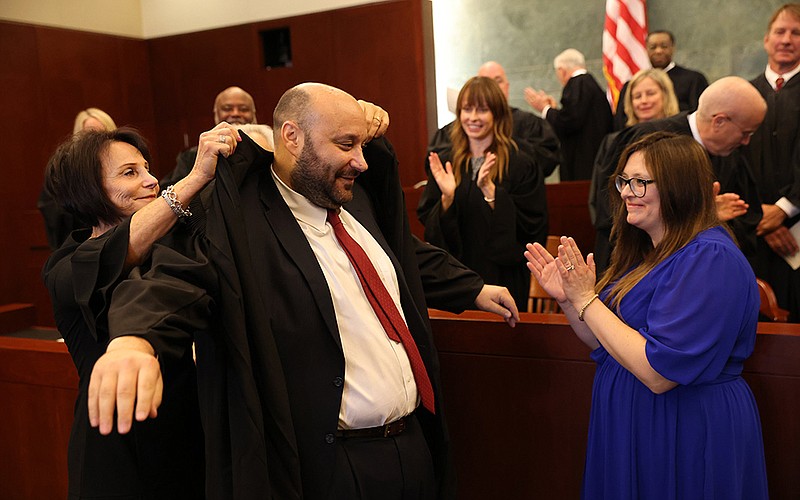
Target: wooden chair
769	303
540	301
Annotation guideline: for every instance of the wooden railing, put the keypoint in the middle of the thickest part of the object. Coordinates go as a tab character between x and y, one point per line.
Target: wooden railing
517	403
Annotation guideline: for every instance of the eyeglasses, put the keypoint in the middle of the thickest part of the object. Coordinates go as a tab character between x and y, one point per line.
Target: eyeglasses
743	133
637	186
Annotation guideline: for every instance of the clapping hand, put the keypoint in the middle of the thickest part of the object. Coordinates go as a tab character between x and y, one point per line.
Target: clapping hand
538	99
578	277
443	175
729	205
567	277
543	267
484	180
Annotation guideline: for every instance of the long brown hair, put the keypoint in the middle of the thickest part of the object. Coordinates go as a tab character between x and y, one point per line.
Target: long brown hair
483	91
684	178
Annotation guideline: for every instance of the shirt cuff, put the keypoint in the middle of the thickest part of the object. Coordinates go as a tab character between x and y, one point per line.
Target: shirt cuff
787	206
545	109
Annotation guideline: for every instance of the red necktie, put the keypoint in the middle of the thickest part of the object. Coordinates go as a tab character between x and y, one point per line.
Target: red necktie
384	307
779	83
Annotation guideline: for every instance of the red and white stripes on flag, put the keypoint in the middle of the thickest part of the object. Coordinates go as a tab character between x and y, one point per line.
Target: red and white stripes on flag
624	50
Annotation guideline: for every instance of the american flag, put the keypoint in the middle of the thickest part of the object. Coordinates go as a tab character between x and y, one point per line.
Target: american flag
624	51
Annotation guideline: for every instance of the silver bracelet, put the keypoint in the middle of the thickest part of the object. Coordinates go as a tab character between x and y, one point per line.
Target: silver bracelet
173	202
488	200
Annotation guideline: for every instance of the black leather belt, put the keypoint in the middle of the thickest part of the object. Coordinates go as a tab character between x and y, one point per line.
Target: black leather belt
386	430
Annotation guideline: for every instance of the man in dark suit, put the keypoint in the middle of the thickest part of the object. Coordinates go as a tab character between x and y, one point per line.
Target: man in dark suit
775	157
730	110
584	118
531	133
303	392
688	83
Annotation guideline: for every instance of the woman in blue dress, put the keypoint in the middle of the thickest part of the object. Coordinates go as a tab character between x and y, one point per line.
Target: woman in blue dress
670	324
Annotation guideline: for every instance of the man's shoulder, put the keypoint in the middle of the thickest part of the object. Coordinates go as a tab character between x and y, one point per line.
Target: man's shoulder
686	73
441	139
678	124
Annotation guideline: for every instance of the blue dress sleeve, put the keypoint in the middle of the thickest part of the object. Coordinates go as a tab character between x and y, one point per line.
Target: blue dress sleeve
703	300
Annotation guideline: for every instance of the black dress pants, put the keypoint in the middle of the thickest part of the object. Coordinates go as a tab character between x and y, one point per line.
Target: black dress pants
384	468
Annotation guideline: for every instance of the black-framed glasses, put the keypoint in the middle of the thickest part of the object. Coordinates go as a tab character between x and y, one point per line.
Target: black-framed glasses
637	186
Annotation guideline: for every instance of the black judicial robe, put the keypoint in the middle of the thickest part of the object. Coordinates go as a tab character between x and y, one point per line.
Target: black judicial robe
775	159
491	241
532	134
732	172
159	458
581	123
246	284
688	85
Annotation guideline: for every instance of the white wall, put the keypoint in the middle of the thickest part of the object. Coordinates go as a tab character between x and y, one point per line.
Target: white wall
116	17
156	18
171	17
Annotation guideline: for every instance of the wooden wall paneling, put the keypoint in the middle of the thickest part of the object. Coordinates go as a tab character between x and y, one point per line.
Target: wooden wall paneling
373	52
48	75
20	156
384	64
135	92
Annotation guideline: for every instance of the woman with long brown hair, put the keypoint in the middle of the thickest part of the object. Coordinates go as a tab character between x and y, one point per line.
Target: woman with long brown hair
485	198
670	324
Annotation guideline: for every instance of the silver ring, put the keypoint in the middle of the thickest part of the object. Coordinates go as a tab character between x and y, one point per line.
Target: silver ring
570	267
221	139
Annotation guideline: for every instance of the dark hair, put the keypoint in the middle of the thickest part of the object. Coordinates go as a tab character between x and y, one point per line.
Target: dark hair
74	174
684	179
662	32
483	91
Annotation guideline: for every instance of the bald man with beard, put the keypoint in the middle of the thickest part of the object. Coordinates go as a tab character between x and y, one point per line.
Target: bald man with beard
304	391
729	111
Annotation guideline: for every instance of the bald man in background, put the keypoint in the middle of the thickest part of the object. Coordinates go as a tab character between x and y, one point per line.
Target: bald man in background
729	111
532	134
233	105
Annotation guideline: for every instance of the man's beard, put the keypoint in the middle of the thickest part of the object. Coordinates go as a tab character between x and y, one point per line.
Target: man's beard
312	178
